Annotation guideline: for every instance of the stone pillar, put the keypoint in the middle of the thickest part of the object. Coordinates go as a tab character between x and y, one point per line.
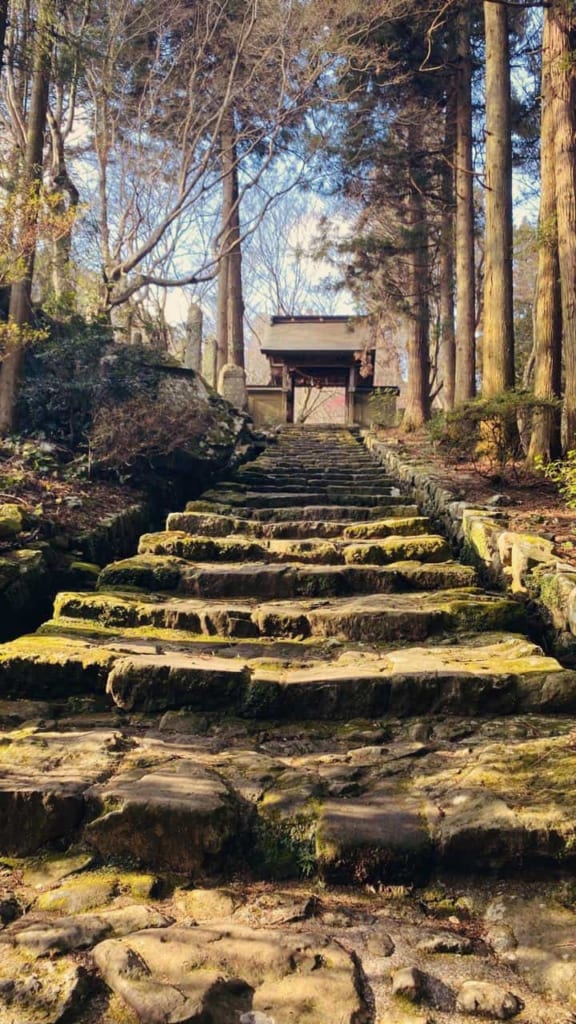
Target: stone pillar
192	348
288	395
209	362
232	385
350	394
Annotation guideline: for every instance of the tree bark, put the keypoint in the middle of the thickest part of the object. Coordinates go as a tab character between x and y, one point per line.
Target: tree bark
417	410
465	372
498	334
61	184
230	303
20	311
545	437
3	27
447	333
560	24
222	315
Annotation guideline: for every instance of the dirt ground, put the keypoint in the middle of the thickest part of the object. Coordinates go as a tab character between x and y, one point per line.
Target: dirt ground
56	496
531	502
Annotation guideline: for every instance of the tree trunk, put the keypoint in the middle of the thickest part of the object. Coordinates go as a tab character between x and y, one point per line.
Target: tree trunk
447	334
417	410
20	311
61	184
465	373
3	27
235	291
562	89
232	321
545	437
498	334
222	315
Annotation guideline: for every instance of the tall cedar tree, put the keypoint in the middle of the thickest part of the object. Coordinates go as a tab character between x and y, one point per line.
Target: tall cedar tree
465	370
545	438
20	310
498	333
561	31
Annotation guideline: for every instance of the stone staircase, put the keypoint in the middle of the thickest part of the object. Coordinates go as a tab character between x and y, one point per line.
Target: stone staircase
292	689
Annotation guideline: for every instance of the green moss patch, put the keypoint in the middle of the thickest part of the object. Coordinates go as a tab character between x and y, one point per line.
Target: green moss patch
42	666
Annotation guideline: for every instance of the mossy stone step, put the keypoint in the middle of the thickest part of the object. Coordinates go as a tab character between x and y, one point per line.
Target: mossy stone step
297	499
270	580
501	678
341	513
322	463
52	666
422	548
501	674
373	618
364	489
249	473
206	525
480	796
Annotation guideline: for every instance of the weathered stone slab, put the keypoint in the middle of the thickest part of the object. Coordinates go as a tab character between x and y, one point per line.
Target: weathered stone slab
340	513
382	835
272	580
206	525
151	683
177	816
40	937
539	936
228	971
375	618
40	993
42	784
43	666
317	551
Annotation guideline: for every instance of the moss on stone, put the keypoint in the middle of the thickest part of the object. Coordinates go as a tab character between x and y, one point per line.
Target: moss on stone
39	665
145	572
192	548
400	527
89	569
284	849
11	523
394	549
84	892
483	613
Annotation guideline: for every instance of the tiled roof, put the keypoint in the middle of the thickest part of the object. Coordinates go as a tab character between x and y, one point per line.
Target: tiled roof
317	334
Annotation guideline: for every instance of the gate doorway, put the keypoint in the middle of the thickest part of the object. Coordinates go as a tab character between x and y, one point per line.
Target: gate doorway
314	404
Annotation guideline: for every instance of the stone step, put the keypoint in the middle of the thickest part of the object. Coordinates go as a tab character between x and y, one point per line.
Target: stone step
342	513
336	487
376	618
280	461
321	463
297	499
270	580
351	805
422	548
253	472
493	674
206	525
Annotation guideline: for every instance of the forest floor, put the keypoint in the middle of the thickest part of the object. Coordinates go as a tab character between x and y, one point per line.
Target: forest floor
532	503
55	494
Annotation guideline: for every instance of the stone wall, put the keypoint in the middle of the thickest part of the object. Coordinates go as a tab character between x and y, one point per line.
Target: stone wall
524	563
31	576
